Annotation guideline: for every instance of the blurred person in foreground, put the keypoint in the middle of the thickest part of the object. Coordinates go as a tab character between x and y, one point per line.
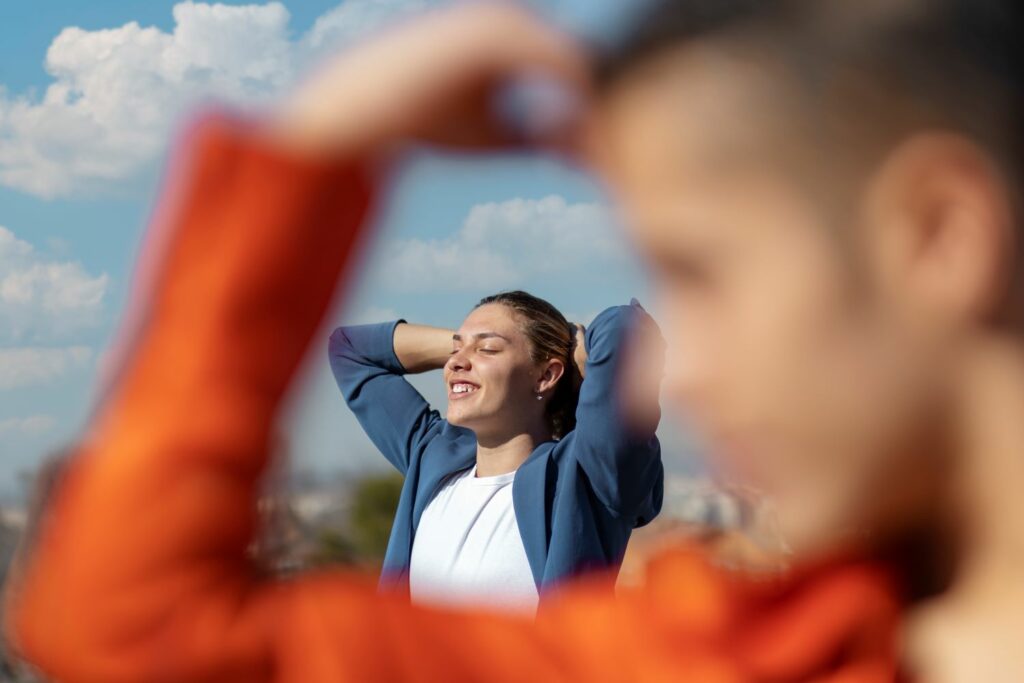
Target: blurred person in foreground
828	196
536	473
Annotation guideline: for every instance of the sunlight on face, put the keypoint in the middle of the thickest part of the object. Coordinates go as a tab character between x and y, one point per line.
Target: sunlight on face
490	373
783	366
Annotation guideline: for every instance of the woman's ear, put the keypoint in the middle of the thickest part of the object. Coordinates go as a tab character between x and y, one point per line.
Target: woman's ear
552	371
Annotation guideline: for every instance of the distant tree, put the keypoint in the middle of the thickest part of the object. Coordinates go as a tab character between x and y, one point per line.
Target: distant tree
374	501
332	547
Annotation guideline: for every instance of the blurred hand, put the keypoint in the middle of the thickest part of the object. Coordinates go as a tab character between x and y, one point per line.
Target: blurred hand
432	80
642	371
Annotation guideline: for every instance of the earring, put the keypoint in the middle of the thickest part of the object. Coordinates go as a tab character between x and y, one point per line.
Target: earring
539	397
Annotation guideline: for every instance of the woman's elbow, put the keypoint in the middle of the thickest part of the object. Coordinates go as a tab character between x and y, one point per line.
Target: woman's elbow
344	361
640	498
339	346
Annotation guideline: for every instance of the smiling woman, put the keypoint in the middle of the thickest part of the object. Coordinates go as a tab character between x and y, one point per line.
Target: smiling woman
517	334
533	476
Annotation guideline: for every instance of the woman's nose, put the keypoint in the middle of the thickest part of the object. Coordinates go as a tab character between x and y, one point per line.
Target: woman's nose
459	361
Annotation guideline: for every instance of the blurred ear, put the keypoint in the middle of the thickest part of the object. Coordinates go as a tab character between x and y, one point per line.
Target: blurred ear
551	372
940	229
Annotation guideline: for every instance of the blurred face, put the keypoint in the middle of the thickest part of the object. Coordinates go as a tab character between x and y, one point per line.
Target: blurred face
490	375
805	379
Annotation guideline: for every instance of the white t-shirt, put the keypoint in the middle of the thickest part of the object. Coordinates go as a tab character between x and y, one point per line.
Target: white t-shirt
468	550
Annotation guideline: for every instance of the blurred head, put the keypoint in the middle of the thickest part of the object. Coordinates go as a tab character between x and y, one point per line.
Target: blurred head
511	369
826	194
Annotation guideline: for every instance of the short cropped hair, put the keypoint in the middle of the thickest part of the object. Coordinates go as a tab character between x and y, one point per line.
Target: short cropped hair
958	63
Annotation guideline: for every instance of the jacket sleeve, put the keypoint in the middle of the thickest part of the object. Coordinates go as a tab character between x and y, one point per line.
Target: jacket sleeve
621	459
392	413
141	575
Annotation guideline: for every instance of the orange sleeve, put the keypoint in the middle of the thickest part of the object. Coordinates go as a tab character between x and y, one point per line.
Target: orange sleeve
140	573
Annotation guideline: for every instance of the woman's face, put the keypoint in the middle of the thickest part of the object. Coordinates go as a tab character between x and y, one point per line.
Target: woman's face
491	377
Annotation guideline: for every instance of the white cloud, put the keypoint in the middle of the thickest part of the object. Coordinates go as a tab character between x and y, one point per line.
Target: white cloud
117	92
26	366
507	244
11	248
32	425
41	297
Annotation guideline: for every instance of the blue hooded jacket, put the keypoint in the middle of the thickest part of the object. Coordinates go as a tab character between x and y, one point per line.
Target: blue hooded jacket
576	499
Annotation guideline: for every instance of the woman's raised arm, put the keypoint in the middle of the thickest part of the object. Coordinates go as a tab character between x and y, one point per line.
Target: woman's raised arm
615	443
369	363
421	348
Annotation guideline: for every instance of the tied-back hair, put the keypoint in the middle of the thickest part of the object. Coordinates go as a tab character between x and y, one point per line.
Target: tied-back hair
550	336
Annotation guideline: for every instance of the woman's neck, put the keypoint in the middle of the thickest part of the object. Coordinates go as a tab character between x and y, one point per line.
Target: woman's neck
500	455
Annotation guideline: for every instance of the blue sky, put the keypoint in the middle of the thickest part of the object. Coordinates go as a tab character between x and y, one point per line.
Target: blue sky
90	94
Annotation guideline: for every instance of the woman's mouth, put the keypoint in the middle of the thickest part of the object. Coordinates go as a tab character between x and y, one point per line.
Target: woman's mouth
462	389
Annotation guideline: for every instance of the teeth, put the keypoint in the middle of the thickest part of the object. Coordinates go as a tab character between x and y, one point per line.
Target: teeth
463	388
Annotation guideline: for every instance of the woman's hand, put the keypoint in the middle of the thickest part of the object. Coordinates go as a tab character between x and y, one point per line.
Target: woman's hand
579	352
432	80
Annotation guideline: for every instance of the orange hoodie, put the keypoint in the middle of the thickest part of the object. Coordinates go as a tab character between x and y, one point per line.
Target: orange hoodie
140	572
